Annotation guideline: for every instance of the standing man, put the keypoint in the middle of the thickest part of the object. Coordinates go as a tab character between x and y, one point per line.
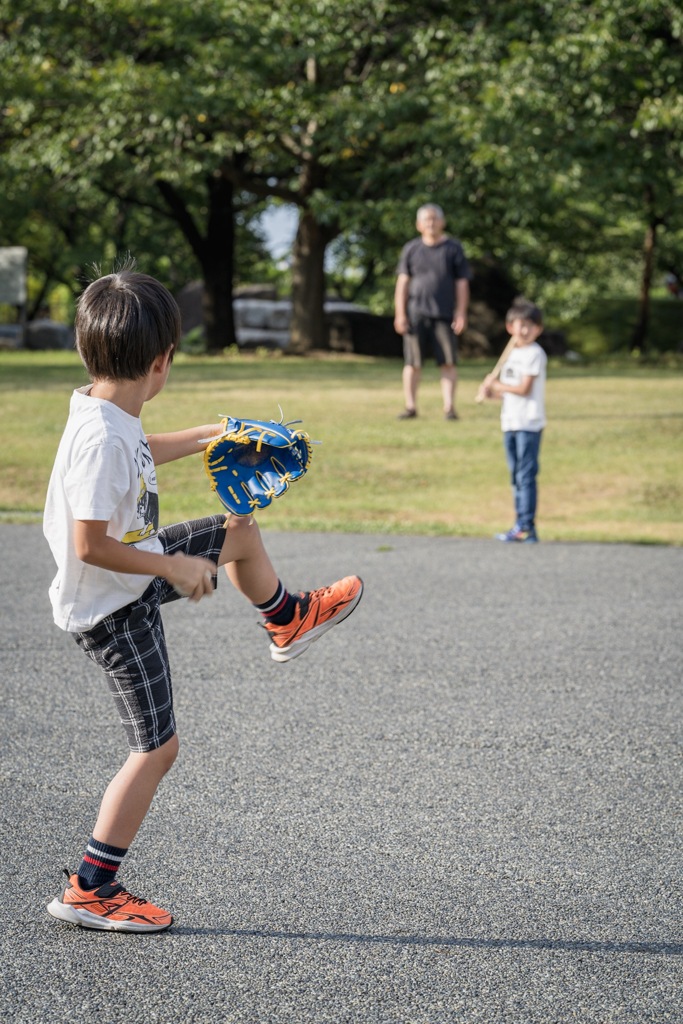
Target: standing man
431	299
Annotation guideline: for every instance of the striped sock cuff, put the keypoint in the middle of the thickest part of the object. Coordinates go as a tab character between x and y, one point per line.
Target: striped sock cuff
281	607
100	862
272	607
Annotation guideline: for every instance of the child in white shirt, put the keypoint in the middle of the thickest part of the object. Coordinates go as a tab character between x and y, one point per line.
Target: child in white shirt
521	386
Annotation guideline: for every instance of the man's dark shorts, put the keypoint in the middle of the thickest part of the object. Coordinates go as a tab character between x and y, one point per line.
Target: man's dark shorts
131	647
430	337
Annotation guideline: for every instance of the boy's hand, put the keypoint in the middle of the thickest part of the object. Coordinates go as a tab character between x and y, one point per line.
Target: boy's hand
188	575
486	388
191	576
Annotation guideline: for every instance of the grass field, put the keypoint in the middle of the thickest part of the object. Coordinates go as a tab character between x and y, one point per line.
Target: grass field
611	460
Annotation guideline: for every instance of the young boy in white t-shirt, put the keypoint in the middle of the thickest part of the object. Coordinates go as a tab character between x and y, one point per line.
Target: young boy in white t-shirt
116	567
521	386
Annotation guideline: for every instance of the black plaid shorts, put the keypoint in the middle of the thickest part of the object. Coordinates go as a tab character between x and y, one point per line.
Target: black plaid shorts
130	644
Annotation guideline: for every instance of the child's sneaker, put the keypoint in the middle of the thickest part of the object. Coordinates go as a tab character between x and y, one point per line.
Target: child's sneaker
315	613
518	536
108	908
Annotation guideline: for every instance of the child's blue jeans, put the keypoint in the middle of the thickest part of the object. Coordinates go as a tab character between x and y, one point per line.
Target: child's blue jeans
521	452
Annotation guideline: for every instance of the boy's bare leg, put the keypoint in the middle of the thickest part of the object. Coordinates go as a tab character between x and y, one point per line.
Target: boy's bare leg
449	376
311	614
246	560
129	794
411	382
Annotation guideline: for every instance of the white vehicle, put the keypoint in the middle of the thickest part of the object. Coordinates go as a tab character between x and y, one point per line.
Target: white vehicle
267	321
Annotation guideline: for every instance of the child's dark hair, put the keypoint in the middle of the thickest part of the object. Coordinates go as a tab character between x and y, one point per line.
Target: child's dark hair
123	322
524	309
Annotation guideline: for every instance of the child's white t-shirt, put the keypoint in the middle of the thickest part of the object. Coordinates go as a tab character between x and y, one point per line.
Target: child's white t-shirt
104	470
524	412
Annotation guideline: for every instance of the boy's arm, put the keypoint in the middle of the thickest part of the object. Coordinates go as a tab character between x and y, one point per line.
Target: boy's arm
189	575
497	389
176	445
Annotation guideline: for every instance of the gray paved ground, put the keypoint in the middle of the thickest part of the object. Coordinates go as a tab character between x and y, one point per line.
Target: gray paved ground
461	806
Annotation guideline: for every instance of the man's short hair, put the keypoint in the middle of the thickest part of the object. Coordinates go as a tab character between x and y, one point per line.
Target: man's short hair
523	309
124	321
431	206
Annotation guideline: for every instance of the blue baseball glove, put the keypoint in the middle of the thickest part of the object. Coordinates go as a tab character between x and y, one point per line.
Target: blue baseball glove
253	461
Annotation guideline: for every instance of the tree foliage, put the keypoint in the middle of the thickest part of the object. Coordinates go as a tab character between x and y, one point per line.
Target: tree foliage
576	140
550	131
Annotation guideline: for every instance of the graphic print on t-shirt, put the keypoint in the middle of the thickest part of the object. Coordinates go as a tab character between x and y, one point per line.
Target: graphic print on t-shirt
510	374
147	508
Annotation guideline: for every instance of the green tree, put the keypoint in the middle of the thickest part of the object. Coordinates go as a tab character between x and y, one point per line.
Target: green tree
334	129
575	139
128	106
550	132
216	107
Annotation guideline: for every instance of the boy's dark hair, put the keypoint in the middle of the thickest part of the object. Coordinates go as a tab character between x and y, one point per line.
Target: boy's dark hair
123	322
524	309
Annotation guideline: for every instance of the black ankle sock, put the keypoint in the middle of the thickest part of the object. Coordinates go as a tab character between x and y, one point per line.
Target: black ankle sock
280	609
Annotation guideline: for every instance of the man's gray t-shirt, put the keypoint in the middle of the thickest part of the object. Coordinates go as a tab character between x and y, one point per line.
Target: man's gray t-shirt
433	270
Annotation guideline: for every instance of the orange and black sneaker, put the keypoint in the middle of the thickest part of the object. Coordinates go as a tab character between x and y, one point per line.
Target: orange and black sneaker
316	611
108	908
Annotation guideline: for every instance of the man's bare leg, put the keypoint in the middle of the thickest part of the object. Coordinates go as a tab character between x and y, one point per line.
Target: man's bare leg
449	377
411	383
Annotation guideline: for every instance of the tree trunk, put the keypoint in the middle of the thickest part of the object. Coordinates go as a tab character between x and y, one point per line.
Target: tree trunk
307	328
640	331
215	252
218	265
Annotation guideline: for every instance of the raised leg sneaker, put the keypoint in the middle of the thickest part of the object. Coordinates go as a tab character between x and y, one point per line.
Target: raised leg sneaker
108	908
316	612
518	536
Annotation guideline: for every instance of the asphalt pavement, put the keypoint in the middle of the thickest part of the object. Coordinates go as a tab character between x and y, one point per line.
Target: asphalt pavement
461	805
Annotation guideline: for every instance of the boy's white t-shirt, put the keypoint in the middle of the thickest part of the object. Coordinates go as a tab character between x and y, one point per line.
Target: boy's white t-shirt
524	412
104	470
